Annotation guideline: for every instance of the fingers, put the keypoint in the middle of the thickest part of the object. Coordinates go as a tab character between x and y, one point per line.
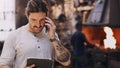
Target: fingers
50	23
48	20
4	67
33	65
51	27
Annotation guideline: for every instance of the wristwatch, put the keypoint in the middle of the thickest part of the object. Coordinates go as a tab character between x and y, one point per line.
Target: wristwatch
52	40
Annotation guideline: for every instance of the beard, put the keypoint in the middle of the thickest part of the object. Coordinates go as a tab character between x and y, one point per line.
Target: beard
36	29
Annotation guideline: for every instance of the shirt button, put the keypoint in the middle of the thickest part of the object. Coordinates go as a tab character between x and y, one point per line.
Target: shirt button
37	40
38	46
34	35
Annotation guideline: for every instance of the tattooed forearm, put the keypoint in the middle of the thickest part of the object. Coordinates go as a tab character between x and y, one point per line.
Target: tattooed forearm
59	48
62	53
64	57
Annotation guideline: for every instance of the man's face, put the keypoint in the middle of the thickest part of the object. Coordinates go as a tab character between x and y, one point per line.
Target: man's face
36	21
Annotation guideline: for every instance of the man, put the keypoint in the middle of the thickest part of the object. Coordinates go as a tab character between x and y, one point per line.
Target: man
32	41
78	40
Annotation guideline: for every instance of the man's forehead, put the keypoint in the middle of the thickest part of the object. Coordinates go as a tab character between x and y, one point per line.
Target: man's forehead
41	13
37	15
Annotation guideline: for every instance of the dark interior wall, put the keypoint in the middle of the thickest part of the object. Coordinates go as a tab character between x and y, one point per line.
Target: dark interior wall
20	13
115	12
110	15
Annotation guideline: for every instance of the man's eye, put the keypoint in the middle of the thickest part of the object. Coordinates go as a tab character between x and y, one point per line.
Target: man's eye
33	20
42	21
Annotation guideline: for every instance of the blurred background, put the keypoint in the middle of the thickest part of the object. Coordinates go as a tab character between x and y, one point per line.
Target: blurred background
100	20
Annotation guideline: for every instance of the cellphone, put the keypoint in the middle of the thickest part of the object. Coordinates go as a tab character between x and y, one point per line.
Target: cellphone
40	63
46	28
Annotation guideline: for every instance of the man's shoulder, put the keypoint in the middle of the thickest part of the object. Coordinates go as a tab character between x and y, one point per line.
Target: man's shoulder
17	31
21	28
79	33
15	34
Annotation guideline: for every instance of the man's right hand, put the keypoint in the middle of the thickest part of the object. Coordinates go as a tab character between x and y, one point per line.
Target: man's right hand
33	65
4	67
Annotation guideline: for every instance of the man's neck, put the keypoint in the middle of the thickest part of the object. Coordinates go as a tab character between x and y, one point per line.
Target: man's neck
30	30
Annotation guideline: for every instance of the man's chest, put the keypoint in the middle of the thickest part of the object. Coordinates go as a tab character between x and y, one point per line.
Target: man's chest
30	46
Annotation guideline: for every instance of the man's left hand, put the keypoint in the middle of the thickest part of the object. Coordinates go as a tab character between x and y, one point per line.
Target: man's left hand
51	27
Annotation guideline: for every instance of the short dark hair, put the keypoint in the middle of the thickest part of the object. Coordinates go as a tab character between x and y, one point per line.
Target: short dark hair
78	26
62	18
35	6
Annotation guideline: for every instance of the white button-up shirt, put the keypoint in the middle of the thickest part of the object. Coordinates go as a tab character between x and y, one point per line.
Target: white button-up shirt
22	44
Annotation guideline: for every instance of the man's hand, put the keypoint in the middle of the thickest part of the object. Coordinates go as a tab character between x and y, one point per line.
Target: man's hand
33	65
4	67
51	27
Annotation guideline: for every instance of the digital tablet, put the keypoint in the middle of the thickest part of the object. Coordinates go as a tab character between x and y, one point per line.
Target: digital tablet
40	63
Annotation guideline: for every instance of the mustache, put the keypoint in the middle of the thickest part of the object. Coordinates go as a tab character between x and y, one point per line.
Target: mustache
37	26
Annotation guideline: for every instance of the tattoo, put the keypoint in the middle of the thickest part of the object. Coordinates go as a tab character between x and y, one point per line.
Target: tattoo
59	48
63	57
62	54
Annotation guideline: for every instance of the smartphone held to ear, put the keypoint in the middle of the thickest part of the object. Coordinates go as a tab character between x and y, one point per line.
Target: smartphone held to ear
46	28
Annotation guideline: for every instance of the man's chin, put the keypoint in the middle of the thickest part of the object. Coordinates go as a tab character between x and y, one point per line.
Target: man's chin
37	31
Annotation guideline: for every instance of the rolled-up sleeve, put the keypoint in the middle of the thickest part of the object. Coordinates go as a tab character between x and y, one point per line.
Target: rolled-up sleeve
8	52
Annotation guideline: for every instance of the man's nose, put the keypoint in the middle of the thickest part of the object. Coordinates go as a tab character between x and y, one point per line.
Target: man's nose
38	24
